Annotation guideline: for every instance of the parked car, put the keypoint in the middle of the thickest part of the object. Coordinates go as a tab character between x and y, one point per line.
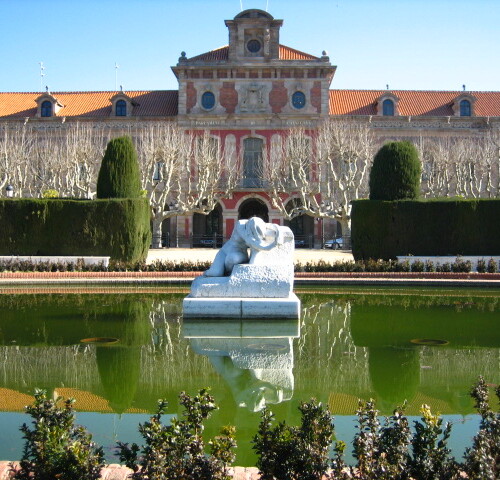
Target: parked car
207	242
299	243
334	243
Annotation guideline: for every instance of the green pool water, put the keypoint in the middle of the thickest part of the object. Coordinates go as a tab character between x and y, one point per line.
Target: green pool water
118	352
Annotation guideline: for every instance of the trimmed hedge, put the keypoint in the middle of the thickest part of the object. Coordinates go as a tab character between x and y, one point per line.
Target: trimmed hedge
385	230
118	228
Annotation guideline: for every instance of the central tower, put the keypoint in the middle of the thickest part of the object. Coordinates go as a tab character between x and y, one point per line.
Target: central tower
253	81
253	35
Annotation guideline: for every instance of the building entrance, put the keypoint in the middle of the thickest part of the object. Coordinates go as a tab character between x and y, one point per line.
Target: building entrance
207	229
253	207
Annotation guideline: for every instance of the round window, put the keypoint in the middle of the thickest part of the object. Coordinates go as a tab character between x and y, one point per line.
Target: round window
253	46
298	100
208	100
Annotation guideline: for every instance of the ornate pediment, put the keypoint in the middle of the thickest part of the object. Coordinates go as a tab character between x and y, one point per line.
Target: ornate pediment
253	98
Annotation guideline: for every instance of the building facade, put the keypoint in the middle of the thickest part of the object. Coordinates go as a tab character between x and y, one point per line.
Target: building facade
248	94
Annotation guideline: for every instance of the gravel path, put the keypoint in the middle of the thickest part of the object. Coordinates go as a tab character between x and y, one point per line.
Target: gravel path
207	254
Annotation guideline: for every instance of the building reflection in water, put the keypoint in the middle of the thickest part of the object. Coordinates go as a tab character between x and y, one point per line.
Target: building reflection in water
254	357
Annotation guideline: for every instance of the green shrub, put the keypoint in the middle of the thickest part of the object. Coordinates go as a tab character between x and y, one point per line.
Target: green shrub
50	193
492	266
429	266
418	266
482	460
55	447
177	451
461	266
481	266
430	453
119	175
288	452
444	268
395	174
381	451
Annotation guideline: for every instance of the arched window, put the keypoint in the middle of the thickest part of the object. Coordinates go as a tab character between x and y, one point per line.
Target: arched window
46	109
388	108
465	108
252	162
121	108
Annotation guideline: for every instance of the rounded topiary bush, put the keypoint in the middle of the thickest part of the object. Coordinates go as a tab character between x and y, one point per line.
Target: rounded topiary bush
395	174
119	175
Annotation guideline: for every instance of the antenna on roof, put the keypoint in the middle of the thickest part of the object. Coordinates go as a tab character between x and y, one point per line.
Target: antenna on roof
116	76
42	68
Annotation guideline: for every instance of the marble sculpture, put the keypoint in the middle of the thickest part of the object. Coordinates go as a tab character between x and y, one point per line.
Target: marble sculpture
251	276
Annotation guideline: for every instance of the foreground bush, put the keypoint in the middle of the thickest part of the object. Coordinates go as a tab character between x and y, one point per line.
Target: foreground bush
177	451
384	449
55	447
286	452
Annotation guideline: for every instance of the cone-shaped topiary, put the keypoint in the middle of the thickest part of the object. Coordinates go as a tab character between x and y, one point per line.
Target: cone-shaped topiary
395	174
119	175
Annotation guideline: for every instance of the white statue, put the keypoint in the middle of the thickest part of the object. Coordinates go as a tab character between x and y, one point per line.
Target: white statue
253	234
251	276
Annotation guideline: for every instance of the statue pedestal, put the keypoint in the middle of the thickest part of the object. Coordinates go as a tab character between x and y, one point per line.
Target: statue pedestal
226	307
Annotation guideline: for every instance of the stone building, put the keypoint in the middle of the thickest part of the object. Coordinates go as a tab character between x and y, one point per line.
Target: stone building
247	94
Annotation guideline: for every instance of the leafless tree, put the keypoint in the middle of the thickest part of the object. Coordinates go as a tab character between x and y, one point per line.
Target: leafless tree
459	166
16	146
322	171
183	173
83	147
492	160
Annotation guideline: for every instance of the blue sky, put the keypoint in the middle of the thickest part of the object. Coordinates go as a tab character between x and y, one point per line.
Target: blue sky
407	44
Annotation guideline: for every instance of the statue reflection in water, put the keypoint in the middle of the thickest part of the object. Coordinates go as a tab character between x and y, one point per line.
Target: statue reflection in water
255	357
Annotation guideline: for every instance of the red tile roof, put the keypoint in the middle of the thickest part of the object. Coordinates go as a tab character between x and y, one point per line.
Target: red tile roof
411	102
163	103
160	103
222	53
287	53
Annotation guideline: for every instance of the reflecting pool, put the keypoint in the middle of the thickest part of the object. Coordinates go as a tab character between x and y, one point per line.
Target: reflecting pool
117	351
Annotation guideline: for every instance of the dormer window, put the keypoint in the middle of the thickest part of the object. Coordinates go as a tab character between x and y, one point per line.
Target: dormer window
463	105
388	108
387	105
121	108
47	105
46	109
465	108
122	105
